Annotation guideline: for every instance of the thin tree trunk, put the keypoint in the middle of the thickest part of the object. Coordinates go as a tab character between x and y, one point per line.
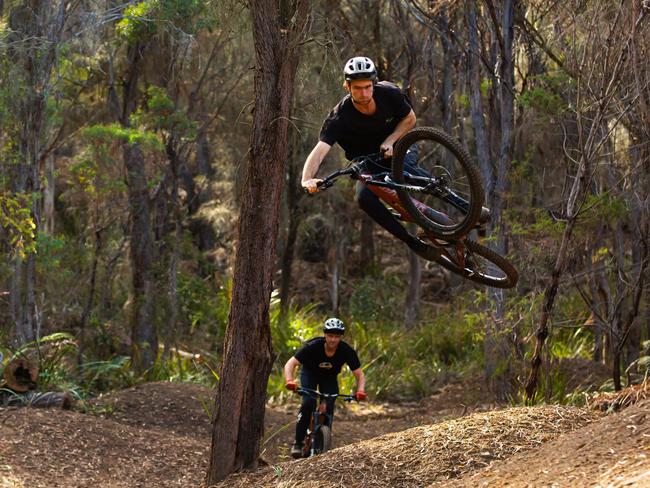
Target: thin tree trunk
496	346
367	245
83	322
144	337
37	30
48	196
476	100
248	353
337	270
412	305
293	200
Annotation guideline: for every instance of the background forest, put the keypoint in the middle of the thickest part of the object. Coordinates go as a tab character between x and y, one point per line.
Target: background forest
126	132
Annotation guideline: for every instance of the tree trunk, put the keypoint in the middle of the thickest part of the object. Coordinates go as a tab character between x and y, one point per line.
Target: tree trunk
83	322
496	346
337	269
144	338
36	31
476	100
248	353
293	204
412	305
367	245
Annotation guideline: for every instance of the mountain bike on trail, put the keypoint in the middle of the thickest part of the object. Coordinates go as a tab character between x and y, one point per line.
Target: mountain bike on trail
319	434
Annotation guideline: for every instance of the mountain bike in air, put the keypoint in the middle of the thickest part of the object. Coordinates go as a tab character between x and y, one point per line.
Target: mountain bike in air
444	198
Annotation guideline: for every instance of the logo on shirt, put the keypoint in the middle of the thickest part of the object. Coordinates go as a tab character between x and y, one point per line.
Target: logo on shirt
325	365
389	120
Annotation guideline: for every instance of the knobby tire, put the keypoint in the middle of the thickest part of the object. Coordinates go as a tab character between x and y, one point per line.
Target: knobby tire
472	173
323	439
507	280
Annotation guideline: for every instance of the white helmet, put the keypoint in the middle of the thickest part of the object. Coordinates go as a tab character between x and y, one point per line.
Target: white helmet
334	326
360	68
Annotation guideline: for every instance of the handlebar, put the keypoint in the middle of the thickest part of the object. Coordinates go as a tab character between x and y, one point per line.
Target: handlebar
324	396
357	165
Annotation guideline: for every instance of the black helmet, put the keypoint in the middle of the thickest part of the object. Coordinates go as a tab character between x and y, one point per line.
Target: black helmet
334	326
360	68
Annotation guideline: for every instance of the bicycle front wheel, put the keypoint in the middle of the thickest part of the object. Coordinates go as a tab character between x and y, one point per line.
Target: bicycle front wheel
322	440
481	265
445	193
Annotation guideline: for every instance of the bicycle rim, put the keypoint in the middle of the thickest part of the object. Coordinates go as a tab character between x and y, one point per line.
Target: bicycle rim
483	266
451	185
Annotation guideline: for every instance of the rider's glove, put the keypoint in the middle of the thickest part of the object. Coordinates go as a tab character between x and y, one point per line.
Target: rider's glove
291	385
361	396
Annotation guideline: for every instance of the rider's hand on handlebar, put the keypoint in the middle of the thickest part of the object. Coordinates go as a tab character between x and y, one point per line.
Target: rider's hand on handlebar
386	150
361	396
291	385
311	185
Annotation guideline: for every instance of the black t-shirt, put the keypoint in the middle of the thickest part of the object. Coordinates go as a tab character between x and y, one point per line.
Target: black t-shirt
359	134
312	357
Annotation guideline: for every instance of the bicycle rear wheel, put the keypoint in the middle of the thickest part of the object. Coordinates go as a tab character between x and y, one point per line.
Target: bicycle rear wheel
446	181
482	265
322	439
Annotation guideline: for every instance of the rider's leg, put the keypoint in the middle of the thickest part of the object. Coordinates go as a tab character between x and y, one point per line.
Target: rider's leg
371	204
307	406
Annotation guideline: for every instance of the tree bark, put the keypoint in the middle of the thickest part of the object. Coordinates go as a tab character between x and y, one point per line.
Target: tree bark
476	100
412	304
144	338
293	205
248	353
36	31
367	245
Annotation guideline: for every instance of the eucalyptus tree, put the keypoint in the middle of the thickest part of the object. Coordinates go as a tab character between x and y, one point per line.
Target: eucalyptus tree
278	27
33	35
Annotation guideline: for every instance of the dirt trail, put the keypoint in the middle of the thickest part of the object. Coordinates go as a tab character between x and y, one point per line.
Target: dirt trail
158	435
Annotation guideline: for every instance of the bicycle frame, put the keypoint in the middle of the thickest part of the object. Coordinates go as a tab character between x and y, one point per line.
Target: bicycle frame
386	190
320	416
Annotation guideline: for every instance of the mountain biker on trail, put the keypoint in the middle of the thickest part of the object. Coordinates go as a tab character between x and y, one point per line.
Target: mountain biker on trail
370	119
321	359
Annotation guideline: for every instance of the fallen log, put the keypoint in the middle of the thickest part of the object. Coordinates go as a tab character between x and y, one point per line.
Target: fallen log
20	375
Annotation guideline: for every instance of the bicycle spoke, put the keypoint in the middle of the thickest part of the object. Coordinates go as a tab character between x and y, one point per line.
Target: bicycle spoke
448	182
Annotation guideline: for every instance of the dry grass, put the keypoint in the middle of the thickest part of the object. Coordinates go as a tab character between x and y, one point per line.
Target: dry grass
421	455
618	400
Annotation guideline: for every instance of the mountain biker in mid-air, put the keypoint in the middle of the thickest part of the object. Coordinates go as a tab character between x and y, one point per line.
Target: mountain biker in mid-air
321	360
370	119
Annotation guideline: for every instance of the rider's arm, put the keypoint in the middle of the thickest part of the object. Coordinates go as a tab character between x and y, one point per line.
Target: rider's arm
312	163
403	126
289	368
361	380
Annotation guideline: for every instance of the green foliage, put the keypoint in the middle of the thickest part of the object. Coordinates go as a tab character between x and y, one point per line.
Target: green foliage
463	101
138	22
16	218
117	133
398	364
147	18
375	300
203	306
547	94
161	115
54	355
102	376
